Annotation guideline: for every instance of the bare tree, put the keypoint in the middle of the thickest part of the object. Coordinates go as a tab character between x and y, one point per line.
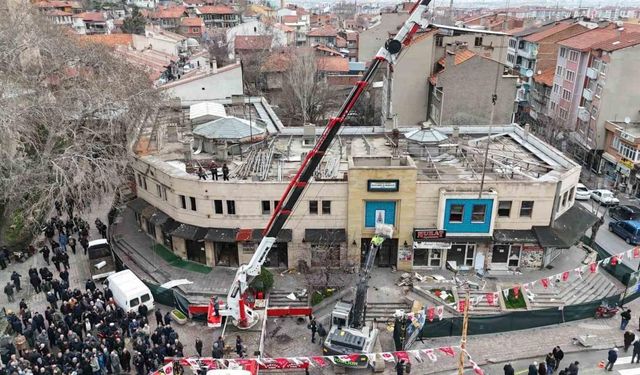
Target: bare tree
307	97
69	114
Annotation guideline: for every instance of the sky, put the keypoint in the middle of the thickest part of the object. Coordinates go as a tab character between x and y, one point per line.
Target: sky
496	3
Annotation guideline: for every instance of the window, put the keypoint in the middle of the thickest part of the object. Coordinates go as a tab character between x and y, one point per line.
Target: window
158	190
456	213
556	88
313	207
566	94
183	202
514	256
564	198
140	180
564	114
326	207
145	297
231	207
599	90
511	58
559	71
478	213
193	203
134	302
603	68
526	208
144	183
478	41
594	111
563	52
266	207
570	76
552	106
573	55
164	192
217	206
439	39
504	208
512	43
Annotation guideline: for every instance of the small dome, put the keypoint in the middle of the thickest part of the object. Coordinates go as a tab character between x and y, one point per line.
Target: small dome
426	134
192	42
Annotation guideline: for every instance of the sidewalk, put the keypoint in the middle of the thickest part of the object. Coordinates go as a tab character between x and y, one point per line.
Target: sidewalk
135	248
537	342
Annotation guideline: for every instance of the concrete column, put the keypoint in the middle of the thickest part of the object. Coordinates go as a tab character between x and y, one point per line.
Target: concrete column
180	247
209	249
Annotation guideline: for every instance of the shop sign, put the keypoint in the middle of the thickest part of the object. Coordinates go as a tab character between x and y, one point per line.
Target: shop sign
429	234
627	137
383	185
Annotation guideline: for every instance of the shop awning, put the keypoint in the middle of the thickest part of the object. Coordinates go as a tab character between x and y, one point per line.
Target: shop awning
158	217
326	236
148	211
138	205
169	226
189	232
256	235
431	245
453	238
567	230
514	235
221	235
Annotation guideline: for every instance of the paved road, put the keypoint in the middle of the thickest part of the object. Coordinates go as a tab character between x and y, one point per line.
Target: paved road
608	240
588	364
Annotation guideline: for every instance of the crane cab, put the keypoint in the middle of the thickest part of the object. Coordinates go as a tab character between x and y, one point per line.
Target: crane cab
341	314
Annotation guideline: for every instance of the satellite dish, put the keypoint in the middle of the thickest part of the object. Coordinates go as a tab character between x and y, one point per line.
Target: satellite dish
627	120
529	73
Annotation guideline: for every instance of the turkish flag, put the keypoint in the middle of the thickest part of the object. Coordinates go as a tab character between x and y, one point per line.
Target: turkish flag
448	351
490	299
636	252
545	282
319	361
461	306
614	260
431	313
516	291
593	267
565	276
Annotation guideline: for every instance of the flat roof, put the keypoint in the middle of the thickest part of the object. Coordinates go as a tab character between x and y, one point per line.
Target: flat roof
514	155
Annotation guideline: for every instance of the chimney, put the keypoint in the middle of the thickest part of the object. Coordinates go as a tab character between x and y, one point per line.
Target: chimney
525	136
213	64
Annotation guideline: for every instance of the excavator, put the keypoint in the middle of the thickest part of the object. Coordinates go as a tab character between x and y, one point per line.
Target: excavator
347	334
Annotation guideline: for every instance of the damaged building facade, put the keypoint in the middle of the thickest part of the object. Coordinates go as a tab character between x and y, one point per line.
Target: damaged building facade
424	181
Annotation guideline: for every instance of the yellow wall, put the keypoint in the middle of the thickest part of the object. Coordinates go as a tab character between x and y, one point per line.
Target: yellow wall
405	206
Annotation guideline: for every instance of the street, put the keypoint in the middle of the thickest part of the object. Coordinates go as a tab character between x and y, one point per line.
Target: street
606	239
588	364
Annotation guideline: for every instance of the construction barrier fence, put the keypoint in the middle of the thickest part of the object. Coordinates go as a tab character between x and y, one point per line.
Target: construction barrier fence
525	319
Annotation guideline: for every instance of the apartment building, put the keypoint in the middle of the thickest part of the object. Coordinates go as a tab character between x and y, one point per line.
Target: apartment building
593	84
622	155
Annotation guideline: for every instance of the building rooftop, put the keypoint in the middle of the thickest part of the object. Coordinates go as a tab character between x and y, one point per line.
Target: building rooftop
604	38
547	32
324	31
215	9
545	77
252	42
448	155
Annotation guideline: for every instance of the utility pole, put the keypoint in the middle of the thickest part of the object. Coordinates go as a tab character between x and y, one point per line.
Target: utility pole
463	339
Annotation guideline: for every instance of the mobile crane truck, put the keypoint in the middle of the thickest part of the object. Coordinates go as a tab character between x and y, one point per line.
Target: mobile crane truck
348	329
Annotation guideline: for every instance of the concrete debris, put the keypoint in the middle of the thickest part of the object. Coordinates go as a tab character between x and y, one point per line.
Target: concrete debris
292	297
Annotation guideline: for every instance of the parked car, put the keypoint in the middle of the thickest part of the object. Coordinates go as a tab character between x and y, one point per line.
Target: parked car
625	212
604	197
582	193
628	230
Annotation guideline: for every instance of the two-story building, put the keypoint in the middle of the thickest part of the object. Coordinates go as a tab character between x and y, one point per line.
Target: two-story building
218	16
192	27
521	218
168	18
325	35
622	155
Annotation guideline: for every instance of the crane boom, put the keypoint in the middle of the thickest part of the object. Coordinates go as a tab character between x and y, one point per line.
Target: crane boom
235	304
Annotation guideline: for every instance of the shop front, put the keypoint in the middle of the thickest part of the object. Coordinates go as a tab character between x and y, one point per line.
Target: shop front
194	246
387	255
278	257
513	249
427	252
225	247
326	246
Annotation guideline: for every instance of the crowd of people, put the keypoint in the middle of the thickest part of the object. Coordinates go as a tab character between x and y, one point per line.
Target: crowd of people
83	332
550	365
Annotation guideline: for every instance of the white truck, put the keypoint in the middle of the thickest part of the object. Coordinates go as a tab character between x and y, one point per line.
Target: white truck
101	259
129	292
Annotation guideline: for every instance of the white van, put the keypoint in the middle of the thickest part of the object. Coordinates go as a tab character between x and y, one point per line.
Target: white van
128	291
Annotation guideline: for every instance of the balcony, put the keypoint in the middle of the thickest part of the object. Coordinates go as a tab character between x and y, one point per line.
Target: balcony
592	73
587	94
583	114
529	53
